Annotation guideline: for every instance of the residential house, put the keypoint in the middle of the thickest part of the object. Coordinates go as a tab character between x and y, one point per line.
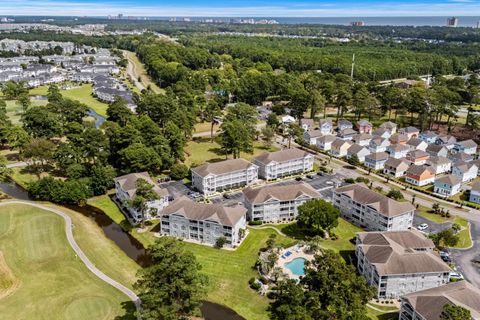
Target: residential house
344	124
382	133
396	167
467	171
428	136
214	177
287	119
286	162
429	304
326	126
417	144
446	140
340	147
204	223
325	142
399	262
439	164
460	157
417	157
410	132
126	189
390	126
359	151
277	203
420	175
371	210
378	144
398	151
437	150
362	139
447	186
376	161
312	136
399	139
307	124
364	126
475	193
347	134
467	146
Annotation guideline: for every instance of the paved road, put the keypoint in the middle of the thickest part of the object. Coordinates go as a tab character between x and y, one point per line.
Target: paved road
206	134
79	252
133	72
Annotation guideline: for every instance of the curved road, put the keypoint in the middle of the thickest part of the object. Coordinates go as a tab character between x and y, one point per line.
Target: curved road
79	252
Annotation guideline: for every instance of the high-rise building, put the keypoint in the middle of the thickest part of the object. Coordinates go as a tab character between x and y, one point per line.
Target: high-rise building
452	22
357	23
120	16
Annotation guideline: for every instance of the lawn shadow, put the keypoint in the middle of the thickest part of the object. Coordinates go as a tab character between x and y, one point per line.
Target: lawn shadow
348	256
130	310
388	316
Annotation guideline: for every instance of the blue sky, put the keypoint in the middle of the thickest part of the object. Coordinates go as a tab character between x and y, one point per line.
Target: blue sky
261	8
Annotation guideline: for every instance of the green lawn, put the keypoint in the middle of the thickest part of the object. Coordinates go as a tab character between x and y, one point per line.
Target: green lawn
140	70
83	94
22	177
228	271
201	150
41	276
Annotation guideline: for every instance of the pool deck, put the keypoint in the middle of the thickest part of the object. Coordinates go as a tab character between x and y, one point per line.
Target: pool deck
296	253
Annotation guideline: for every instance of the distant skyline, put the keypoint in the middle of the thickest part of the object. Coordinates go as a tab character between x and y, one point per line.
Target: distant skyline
250	8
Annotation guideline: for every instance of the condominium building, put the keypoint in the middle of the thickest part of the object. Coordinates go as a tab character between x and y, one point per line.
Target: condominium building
399	262
202	222
274	165
428	304
126	189
371	210
224	175
275	203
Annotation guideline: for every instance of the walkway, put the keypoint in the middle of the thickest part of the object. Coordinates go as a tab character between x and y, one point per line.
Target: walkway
269	227
80	253
19	164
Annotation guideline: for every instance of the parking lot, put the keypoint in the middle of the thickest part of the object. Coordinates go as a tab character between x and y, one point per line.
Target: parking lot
433	227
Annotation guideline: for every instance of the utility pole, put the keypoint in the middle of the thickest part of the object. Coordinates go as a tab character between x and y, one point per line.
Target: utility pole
353	66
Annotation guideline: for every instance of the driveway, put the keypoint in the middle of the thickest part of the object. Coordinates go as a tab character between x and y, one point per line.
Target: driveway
468	260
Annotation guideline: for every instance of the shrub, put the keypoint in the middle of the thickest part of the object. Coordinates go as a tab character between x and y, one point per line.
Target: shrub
251	281
255	286
255	223
350	180
178	171
221	241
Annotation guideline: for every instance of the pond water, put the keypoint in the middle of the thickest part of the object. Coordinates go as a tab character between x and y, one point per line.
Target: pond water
297	266
128	244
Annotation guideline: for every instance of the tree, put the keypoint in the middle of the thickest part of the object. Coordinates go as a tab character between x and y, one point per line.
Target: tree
172	287
288	302
395	194
40	151
178	171
445	238
272	121
4	171
41	123
211	113
236	137
354	161
454	312
267	136
144	193
317	216
119	112
137	158
318	103
220	242
24	101
101	179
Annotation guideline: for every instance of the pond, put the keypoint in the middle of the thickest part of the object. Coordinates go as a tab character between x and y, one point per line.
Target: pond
128	244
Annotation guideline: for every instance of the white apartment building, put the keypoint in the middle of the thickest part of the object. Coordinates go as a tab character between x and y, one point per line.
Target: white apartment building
276	203
203	223
287	162
126	188
371	210
399	262
224	175
428	304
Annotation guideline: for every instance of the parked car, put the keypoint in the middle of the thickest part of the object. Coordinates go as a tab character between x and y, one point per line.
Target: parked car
422	227
309	176
299	178
456	275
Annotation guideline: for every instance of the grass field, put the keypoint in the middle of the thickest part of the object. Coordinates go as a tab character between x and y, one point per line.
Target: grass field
199	151
228	271
42	277
83	94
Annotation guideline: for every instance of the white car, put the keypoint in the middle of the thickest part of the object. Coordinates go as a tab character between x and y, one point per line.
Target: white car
456	275
422	227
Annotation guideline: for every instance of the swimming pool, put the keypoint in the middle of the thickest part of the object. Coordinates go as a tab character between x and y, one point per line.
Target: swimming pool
297	266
